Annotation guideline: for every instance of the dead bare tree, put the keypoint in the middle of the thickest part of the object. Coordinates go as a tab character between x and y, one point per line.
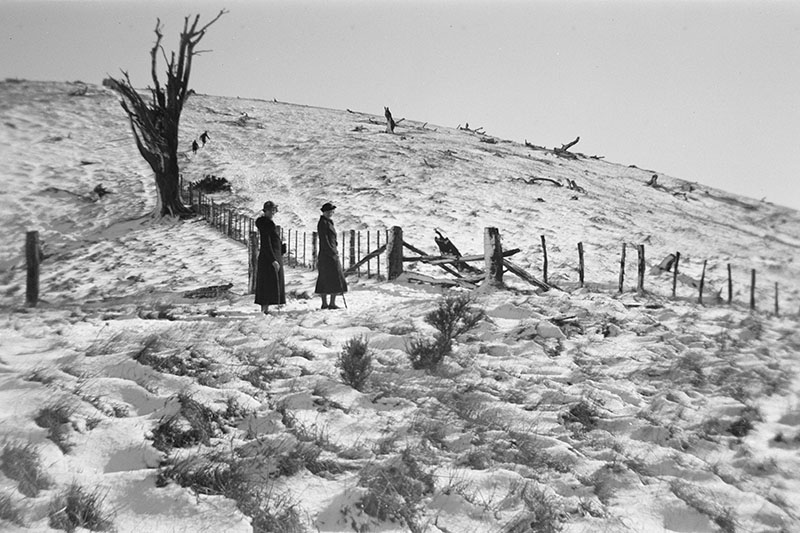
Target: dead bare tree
155	124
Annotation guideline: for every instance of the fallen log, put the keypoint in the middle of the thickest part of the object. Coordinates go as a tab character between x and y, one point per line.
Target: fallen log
514	269
534	180
422	278
421	253
372	255
565	147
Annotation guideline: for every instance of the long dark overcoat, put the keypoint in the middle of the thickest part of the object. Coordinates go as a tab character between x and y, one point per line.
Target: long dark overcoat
331	278
270	288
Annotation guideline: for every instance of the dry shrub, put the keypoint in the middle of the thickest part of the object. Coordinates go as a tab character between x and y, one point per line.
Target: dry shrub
454	316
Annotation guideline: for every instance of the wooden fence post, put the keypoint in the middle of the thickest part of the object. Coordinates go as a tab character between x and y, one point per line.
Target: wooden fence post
753	290
344	240
675	273
296	255
314	239
33	257
640	282
378	237
394	253
252	263
352	248
289	246
358	254
622	268
544	265
493	257
369	273
580	262
777	311
305	264
730	285
702	282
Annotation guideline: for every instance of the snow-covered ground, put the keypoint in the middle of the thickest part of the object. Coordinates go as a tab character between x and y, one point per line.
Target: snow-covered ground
580	409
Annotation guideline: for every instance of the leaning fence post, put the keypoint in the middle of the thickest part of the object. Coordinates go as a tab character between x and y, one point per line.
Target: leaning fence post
622	268
702	282
753	289
493	256
394	252
640	283
580	262
33	257
369	274
544	266
675	273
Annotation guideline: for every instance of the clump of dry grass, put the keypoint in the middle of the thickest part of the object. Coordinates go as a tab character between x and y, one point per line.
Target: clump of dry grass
10	511
395	489
194	423
242	479
541	513
21	463
78	507
582	414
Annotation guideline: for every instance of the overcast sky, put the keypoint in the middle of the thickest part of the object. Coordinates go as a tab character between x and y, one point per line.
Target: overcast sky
704	91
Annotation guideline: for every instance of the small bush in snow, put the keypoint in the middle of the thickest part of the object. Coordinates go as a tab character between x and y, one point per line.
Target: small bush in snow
454	316
21	463
355	363
77	507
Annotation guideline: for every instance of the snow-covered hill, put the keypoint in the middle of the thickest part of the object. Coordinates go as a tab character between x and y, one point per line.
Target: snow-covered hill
582	409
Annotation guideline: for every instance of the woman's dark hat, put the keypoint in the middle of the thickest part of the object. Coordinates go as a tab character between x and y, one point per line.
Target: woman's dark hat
327	206
270	206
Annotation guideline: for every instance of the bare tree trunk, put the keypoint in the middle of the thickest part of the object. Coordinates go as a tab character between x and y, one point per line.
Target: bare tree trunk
155	124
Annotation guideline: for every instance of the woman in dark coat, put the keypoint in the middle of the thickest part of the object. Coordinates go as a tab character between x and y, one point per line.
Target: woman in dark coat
331	278
270	288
